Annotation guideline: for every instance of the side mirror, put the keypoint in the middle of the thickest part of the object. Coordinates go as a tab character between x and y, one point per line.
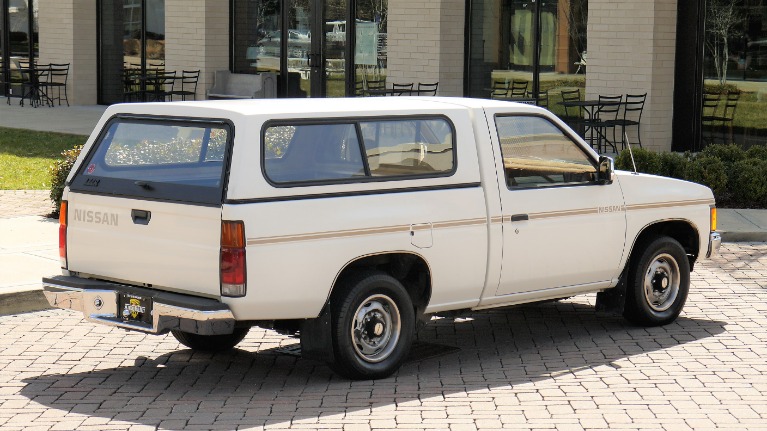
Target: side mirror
606	172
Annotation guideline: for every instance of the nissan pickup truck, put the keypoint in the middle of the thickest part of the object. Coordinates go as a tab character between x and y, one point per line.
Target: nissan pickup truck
350	222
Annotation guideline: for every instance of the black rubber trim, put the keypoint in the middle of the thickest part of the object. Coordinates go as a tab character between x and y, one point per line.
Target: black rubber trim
174	299
350	194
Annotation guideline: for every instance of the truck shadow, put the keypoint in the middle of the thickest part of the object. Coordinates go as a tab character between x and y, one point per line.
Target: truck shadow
254	386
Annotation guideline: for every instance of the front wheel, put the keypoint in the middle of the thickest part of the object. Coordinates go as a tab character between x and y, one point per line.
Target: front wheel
658	282
373	326
210	343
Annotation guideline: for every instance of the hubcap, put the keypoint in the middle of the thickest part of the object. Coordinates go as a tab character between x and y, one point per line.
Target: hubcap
376	328
661	282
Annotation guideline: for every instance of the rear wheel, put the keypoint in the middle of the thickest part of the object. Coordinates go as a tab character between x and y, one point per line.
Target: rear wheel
210	343
658	282
373	326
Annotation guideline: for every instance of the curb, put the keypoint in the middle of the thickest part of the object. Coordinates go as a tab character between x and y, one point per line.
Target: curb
744	236
24	301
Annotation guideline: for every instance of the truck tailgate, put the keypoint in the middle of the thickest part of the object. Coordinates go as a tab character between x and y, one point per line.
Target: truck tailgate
168	246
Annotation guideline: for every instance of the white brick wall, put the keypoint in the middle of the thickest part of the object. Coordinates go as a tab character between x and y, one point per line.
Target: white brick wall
68	35
631	49
197	37
426	41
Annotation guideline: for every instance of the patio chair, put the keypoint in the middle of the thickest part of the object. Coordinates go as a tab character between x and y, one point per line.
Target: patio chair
402	89
709	109
376	88
725	120
427	89
188	80
58	74
499	90
541	99
604	118
573	114
518	88
359	88
632	116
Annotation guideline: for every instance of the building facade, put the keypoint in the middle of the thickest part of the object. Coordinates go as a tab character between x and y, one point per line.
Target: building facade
680	54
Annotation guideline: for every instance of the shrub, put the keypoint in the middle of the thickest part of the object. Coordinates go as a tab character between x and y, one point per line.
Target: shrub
757	152
749	183
709	171
673	165
729	154
59	172
646	161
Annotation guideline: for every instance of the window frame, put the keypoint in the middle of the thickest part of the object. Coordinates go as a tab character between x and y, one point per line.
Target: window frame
566	133
356	122
164	192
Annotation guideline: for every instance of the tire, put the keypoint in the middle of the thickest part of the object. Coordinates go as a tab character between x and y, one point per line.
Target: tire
657	282
373	323
210	343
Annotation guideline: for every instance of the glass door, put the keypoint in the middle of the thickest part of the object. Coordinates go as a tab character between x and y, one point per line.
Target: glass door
334	27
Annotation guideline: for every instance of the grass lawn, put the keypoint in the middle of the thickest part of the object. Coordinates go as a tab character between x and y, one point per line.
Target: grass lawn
25	156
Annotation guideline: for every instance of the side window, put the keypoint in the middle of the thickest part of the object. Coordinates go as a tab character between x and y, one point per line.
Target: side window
536	153
408	147
396	148
316	152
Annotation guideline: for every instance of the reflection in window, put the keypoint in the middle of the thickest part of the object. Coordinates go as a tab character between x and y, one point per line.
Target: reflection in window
408	147
537	153
735	72
256	36
371	41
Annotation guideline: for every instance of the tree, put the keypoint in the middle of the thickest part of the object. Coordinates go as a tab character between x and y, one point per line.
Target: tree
721	19
576	13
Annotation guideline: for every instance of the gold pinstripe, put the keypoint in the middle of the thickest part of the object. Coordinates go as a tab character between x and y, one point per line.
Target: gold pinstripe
363	232
457	223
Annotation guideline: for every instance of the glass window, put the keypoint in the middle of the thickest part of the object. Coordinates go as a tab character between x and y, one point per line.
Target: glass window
411	147
536	153
371	41
332	152
735	72
317	152
256	36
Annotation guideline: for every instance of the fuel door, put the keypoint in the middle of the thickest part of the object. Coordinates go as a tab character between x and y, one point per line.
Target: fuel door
420	235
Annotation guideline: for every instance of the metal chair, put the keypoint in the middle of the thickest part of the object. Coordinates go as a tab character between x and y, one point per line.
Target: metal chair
427	89
58	74
728	115
499	90
402	89
604	118
518	88
709	110
573	114
376	88
188	80
632	116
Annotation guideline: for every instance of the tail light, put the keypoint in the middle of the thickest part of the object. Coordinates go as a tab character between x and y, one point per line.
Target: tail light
232	265
713	219
63	234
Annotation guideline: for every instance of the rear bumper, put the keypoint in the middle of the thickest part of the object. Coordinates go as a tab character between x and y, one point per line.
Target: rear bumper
98	301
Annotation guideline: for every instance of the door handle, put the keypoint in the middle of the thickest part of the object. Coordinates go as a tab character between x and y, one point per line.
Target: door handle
141	216
519	217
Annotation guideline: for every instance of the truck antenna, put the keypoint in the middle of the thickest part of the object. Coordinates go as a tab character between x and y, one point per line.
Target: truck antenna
631	153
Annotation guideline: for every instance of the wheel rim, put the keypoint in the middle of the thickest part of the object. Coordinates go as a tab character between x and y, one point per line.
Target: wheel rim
376	328
661	282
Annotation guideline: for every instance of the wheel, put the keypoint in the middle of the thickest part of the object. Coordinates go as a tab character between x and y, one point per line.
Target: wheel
210	343
657	283
373	326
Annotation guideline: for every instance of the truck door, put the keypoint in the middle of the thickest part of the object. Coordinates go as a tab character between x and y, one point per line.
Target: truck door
561	227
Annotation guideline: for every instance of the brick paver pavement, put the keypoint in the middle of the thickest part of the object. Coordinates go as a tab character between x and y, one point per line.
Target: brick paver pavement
551	366
17	203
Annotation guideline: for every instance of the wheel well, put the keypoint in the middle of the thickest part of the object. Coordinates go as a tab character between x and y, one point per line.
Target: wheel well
409	269
682	231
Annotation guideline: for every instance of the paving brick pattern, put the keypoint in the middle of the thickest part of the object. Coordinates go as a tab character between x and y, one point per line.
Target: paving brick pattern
18	203
551	366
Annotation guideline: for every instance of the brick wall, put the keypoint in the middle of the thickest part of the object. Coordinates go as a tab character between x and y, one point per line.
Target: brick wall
68	35
197	37
631	49
425	43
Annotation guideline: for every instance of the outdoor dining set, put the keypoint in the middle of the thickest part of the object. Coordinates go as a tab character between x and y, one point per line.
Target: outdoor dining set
159	85
37	83
373	88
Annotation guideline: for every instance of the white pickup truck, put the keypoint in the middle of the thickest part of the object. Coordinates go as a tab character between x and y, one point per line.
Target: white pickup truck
348	222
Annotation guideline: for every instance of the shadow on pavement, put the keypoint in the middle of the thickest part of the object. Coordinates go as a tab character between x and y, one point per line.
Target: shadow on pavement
498	349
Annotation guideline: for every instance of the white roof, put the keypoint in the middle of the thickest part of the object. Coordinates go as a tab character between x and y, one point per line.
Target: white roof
281	107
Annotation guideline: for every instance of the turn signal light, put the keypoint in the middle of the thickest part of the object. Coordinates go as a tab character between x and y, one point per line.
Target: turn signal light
713	219
233	264
63	234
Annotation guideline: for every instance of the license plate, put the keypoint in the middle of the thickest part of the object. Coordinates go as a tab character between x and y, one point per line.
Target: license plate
134	308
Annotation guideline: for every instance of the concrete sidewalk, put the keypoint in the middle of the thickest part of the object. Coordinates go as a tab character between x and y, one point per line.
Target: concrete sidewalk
29	244
77	120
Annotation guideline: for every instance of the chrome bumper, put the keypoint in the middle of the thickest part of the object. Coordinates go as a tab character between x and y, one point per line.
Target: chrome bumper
714	242
98	301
